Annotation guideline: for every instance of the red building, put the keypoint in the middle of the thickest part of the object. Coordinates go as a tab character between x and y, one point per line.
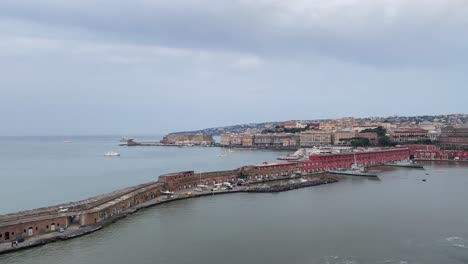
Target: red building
367	157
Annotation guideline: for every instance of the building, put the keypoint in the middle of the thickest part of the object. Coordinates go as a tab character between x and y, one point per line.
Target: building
369	156
280	140
315	126
372	136
270	170
426	125
225	139
342	137
433	135
409	134
292	124
315	138
247	140
197	139
454	137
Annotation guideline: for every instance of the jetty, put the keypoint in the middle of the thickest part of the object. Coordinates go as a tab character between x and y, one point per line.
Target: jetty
40	226
411	165
353	173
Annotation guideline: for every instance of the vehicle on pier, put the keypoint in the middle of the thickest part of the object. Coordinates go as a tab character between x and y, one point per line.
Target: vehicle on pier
167	193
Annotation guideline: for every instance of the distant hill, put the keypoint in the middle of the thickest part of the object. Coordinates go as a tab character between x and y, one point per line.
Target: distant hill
451	119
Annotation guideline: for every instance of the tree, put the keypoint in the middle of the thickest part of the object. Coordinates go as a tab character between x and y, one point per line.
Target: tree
379	130
360	142
385	141
242	175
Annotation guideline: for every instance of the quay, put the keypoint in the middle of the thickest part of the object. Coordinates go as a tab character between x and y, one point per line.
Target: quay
413	166
353	173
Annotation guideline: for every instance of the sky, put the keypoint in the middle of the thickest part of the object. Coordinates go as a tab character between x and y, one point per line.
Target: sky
152	67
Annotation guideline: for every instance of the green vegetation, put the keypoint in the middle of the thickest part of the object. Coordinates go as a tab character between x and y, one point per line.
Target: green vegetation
385	141
379	130
282	129
360	142
242	175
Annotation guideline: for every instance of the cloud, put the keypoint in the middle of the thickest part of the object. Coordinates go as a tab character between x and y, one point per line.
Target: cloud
249	62
374	32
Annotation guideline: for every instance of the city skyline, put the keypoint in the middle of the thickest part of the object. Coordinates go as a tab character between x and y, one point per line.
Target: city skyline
145	67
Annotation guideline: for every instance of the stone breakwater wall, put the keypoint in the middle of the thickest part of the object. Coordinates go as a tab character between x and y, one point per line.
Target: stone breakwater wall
58	221
292	186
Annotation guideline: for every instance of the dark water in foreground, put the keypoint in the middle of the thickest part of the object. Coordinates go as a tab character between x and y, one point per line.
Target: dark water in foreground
398	219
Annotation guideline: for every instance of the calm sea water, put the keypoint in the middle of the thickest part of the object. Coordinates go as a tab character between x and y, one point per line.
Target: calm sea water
41	171
396	219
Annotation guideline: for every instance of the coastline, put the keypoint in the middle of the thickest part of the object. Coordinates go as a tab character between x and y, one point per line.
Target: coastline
314	180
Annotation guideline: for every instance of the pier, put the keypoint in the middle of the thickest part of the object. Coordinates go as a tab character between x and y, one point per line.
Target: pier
353	173
37	227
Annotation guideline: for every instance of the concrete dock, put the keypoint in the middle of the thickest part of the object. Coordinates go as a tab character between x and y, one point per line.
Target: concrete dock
352	173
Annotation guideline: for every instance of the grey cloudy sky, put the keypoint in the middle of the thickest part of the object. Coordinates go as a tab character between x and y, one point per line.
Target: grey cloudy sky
141	66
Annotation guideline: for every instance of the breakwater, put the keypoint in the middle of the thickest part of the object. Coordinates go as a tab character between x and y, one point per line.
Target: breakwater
45	225
292	186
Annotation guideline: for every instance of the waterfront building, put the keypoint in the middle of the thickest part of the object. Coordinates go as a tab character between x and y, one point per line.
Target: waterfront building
247	140
197	139
272	170
225	139
364	157
454	137
315	138
276	140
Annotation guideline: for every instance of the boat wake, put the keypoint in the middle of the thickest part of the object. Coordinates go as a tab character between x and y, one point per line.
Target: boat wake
457	242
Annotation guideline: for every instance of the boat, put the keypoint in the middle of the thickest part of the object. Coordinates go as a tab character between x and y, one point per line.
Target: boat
66	141
167	193
231	150
111	154
124	139
223	155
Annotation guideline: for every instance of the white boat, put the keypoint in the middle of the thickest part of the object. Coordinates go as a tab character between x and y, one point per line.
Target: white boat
223	155
167	193
66	141
111	154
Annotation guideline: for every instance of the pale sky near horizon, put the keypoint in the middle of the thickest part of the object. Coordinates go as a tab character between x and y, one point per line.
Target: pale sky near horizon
142	67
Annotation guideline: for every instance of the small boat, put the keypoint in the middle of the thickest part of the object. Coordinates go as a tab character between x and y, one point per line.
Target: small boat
223	155
302	180
111	154
167	193
66	141
198	190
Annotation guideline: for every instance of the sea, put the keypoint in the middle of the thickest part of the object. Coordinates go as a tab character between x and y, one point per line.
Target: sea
396	218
